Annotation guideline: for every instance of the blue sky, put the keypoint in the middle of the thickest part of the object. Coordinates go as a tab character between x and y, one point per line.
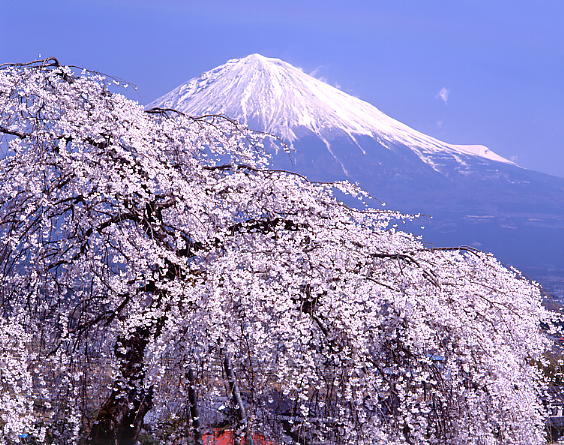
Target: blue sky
499	64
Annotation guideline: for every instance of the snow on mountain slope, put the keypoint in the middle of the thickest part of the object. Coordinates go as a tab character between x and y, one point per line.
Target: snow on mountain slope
271	95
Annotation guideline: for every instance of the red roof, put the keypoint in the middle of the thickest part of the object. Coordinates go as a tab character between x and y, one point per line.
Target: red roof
228	438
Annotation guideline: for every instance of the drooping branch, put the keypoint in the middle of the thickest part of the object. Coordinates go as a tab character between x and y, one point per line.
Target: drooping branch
238	403
16	133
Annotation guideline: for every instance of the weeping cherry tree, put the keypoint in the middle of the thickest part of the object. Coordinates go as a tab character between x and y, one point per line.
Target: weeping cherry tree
153	267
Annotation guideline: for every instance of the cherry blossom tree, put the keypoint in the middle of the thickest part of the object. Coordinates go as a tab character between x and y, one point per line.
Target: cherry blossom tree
154	268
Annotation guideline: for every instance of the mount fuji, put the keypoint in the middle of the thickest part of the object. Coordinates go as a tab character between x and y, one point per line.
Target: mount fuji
475	196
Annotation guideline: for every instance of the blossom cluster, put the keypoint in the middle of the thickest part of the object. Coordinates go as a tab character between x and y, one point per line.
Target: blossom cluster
146	253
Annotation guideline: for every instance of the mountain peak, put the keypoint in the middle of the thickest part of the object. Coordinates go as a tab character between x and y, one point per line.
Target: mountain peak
271	95
257	58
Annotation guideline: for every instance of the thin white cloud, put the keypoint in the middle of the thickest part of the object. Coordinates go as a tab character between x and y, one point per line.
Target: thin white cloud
317	74
316	71
443	94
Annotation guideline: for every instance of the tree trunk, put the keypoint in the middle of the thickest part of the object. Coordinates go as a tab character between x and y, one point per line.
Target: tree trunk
237	400
193	405
120	418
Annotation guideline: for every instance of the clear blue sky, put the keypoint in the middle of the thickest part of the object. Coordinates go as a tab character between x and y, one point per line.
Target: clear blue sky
502	62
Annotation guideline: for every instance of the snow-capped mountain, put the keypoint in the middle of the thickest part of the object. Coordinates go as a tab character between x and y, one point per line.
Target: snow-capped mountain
276	97
474	195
